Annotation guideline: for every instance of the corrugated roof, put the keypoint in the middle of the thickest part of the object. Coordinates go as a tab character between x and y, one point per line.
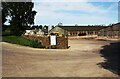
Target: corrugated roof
82	28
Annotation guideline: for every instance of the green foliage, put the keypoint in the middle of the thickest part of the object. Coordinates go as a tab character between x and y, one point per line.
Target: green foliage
7	33
20	14
22	41
4	13
53	46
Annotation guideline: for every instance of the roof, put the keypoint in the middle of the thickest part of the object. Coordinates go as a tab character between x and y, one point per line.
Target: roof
115	27
115	24
82	28
45	30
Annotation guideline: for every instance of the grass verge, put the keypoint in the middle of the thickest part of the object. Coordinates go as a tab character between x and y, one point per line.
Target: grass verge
21	41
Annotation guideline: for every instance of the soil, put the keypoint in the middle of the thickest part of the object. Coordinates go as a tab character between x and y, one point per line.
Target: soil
80	60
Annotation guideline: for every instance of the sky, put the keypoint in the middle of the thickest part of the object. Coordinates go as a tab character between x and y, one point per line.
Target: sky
71	12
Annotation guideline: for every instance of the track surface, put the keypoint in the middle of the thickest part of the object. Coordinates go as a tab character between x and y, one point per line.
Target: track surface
80	60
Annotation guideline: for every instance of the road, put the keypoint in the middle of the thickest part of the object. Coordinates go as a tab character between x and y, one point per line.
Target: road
80	60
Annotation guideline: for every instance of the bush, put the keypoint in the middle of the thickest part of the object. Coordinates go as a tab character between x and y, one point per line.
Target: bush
6	33
22	41
12	30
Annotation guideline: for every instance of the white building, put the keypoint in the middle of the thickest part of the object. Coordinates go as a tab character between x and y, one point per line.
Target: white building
37	32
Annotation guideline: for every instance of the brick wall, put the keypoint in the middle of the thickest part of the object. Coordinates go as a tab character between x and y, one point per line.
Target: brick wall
62	42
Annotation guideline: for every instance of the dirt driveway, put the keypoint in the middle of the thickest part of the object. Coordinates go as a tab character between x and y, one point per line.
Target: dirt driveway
80	60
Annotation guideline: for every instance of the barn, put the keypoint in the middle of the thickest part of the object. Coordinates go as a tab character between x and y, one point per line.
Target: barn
76	30
112	31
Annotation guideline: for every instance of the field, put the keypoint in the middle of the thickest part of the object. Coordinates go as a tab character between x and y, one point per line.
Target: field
80	60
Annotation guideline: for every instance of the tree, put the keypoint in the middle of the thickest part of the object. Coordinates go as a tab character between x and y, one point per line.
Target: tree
76	24
40	27
45	27
20	14
52	26
4	13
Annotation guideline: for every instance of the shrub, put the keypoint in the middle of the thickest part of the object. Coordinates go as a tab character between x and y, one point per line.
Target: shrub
22	41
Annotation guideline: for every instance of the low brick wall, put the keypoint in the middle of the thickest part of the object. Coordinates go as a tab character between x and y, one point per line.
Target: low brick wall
62	42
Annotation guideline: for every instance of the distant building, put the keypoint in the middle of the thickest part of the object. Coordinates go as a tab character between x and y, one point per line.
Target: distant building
29	32
76	30
45	30
112	31
37	32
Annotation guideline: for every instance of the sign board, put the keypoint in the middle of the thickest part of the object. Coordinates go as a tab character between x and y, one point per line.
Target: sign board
53	40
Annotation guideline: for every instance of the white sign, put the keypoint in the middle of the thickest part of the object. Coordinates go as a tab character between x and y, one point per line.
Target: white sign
53	40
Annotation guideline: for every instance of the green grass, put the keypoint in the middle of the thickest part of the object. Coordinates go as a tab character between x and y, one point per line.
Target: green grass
21	41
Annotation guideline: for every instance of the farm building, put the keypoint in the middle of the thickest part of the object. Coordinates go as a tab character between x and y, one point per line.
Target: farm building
37	32
76	30
112	31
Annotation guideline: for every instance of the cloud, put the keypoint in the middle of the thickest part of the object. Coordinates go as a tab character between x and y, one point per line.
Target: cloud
70	6
72	13
75	0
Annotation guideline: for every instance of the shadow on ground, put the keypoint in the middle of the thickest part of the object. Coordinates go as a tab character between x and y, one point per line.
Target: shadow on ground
111	53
